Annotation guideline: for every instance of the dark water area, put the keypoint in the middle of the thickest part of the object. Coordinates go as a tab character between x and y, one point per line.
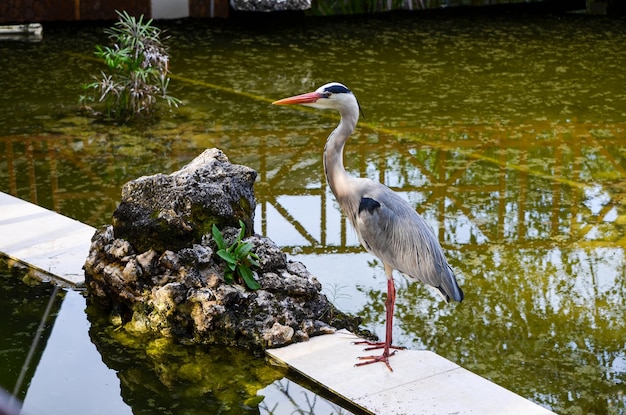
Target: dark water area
505	129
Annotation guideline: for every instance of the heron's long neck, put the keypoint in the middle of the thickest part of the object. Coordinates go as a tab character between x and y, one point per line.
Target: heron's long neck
333	154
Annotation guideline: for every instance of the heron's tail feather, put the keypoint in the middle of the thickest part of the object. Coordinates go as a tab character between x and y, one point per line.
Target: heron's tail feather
450	289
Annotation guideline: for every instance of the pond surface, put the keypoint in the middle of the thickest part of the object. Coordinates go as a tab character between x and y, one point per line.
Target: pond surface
505	130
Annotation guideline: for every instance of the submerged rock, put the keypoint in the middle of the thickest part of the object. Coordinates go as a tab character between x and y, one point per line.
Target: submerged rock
155	268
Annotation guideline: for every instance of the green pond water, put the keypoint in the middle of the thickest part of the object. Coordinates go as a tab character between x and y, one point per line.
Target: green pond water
504	129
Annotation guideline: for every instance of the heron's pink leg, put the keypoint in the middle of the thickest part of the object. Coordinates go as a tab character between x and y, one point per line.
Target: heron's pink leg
386	345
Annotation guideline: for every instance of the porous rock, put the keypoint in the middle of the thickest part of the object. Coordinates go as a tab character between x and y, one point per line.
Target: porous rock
175	286
270	5
174	211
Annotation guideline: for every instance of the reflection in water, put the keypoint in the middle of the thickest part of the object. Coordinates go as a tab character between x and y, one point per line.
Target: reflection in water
506	133
157	373
50	363
28	315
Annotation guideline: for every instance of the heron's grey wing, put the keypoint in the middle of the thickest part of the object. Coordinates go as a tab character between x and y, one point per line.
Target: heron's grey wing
390	229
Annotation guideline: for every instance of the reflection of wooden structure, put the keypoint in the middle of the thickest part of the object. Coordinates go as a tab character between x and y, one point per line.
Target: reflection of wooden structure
529	186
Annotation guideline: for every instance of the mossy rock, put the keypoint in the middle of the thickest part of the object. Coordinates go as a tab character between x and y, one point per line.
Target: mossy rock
172	212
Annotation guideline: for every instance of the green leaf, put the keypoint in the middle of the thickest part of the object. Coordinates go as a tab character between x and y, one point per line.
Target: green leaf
238	257
226	256
243	250
253	260
242	231
245	273
218	238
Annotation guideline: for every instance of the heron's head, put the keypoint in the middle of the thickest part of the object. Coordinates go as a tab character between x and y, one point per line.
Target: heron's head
332	95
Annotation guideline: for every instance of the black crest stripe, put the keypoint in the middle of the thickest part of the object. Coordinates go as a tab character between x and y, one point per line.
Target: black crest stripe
337	89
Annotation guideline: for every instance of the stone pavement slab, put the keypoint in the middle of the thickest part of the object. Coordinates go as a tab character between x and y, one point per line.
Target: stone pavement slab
44	240
422	382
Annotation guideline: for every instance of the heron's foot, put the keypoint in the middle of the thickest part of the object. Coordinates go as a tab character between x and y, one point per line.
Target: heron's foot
377	345
367	360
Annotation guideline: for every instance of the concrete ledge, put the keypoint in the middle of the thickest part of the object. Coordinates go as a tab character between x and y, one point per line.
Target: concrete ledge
52	244
422	382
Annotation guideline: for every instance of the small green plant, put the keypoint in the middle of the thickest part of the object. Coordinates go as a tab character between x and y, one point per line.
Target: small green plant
138	65
238	257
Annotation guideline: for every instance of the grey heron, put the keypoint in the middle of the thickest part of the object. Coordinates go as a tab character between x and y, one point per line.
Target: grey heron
387	226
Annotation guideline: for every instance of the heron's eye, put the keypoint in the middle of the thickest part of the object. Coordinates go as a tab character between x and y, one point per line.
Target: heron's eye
327	94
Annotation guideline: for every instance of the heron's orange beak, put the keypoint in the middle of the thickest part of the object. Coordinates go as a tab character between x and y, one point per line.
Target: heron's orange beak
307	98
